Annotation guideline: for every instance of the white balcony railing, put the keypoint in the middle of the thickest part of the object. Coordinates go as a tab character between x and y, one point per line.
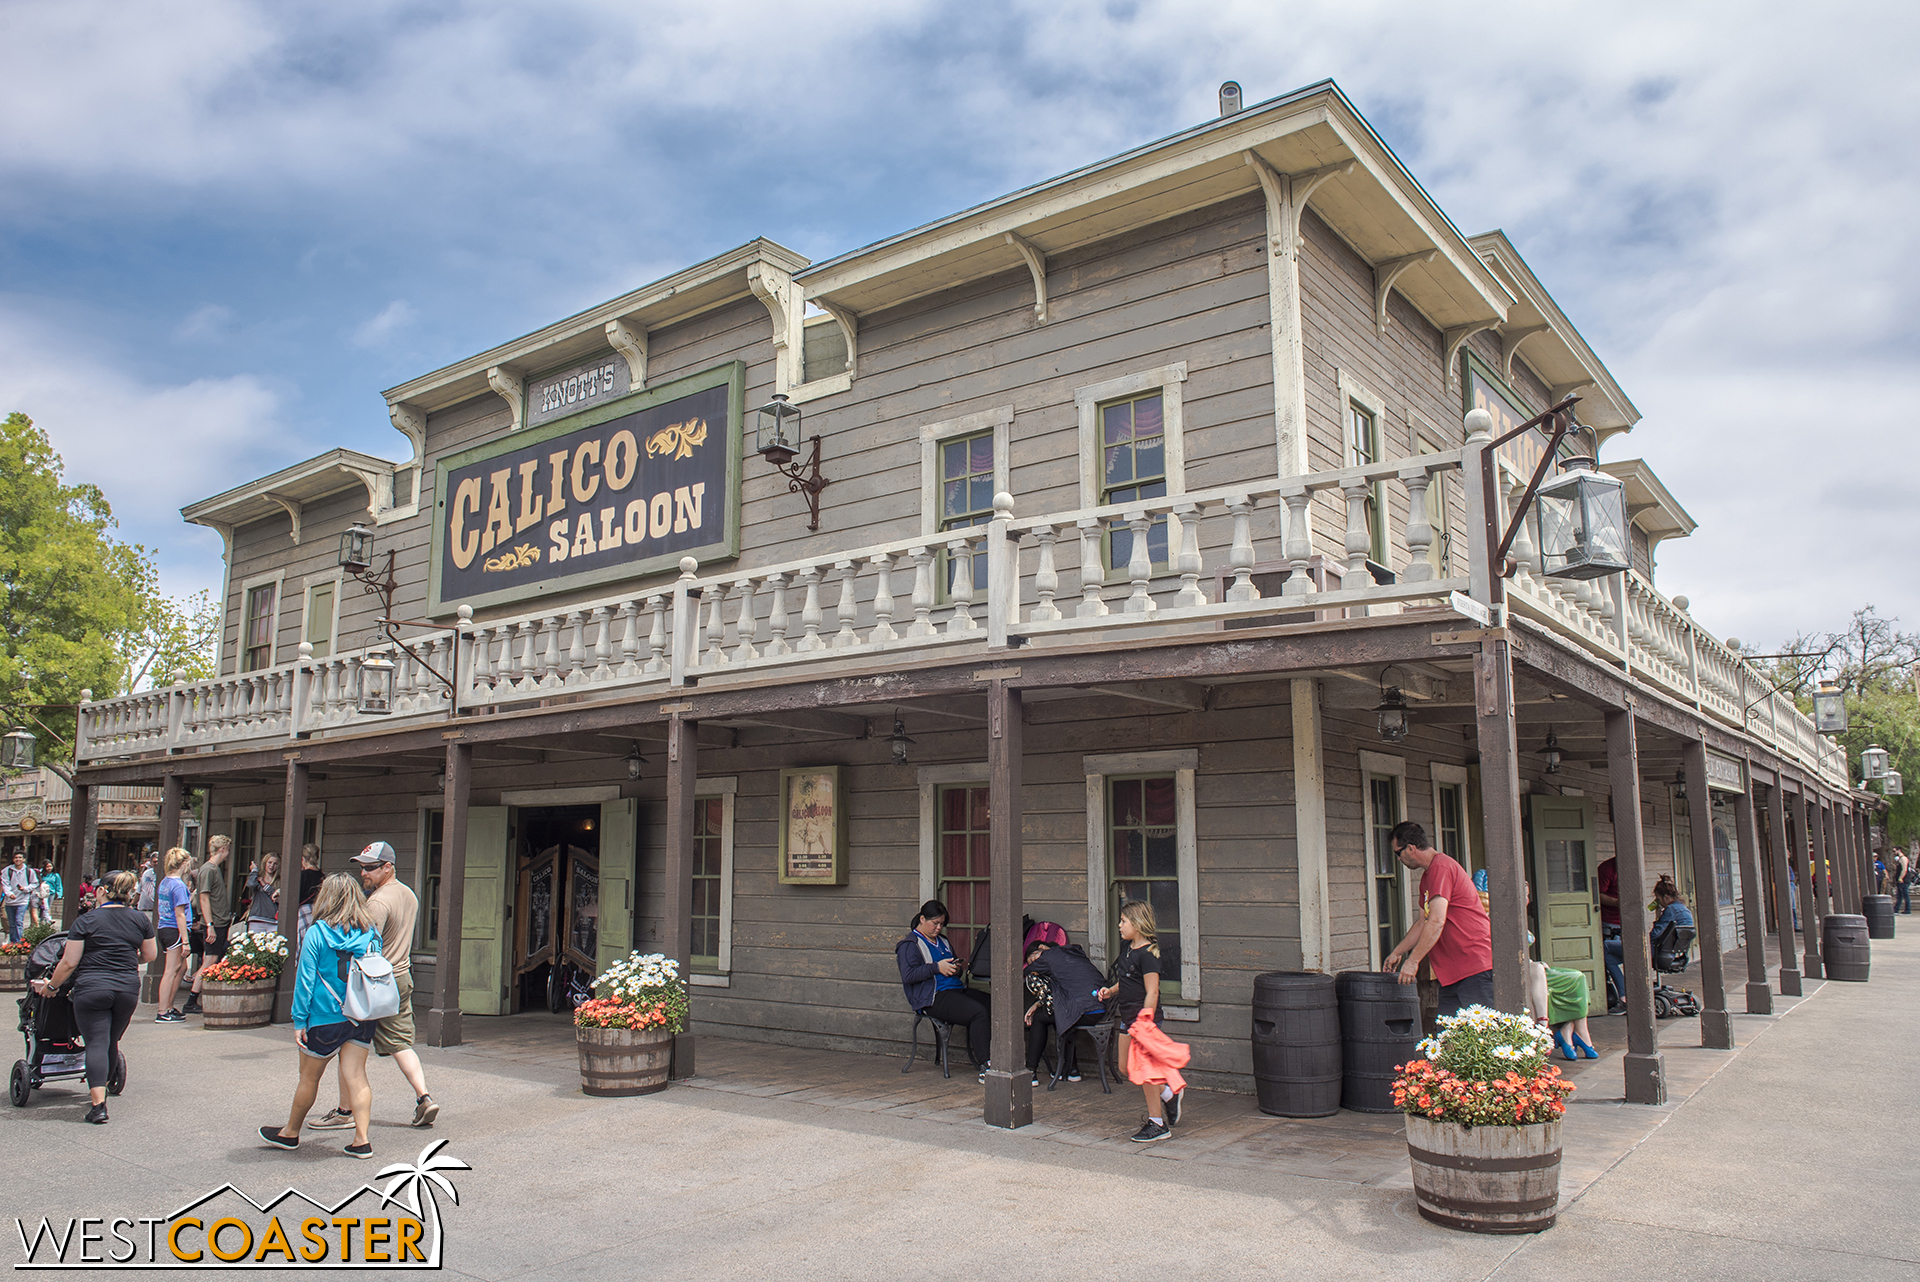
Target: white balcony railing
1048	583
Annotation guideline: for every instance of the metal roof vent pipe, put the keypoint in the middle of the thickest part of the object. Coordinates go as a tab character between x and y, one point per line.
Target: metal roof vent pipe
1230	98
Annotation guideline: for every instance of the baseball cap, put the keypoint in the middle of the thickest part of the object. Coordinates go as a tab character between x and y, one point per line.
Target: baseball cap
378	853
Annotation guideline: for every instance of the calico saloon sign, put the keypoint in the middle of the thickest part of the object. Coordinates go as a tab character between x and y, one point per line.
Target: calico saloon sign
622	489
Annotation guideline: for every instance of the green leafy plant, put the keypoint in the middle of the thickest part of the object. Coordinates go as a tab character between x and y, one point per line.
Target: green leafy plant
1486	1068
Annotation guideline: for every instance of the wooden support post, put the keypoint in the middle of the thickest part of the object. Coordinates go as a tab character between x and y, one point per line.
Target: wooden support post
1747	833
1716	1026
1645	1069
1819	869
1841	893
1863	856
292	830
79	841
683	770
1783	909
1500	810
443	1017
1009	1096
1802	812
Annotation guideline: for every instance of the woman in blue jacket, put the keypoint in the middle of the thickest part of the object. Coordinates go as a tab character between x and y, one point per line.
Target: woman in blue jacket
931	976
342	930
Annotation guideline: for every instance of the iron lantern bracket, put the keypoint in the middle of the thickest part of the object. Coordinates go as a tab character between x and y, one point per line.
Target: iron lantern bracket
805	479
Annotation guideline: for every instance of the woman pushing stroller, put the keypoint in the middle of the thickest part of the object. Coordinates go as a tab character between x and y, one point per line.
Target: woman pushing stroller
103	955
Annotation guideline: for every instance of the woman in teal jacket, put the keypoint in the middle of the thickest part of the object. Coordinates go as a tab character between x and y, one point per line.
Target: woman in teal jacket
342	930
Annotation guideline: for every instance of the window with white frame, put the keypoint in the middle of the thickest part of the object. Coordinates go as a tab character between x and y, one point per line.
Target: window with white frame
1362	411
712	951
321	614
1142	843
953	867
1452	833
1132	447
963	464
259	621
1383	797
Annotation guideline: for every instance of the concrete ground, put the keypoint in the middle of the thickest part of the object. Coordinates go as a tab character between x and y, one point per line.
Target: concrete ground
1789	1158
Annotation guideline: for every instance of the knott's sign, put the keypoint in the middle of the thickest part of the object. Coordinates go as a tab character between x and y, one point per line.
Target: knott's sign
608	494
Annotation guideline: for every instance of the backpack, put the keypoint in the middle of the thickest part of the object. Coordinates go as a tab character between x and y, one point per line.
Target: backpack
147	891
372	990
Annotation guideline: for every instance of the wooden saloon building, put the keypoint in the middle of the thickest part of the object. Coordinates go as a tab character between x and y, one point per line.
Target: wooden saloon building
1122	513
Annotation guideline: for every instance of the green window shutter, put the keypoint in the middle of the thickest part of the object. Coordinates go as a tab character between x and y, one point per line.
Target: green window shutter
483	917
617	834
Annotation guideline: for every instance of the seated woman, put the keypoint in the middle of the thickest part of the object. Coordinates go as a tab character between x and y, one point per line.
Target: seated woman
930	974
1565	996
1060	980
1673	910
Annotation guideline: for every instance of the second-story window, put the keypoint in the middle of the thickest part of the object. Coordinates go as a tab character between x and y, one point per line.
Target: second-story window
966	493
320	598
1363	450
257	643
1133	466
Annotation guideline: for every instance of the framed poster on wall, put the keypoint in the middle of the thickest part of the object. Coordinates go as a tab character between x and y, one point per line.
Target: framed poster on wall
813	827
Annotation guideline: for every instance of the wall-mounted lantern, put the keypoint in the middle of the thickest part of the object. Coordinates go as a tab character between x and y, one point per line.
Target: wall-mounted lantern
1829	709
777	440
1583	523
373	686
16	749
356	548
1875	761
1890	785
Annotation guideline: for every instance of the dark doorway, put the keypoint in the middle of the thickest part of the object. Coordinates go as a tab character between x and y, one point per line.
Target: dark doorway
556	906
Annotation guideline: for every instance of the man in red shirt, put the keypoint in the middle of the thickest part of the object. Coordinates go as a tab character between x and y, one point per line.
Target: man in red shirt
1453	931
1607	887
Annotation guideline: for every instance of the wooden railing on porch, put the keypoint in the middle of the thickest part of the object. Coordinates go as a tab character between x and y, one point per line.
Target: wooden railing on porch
1048	582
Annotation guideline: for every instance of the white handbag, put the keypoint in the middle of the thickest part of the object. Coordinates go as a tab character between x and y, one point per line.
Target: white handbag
372	990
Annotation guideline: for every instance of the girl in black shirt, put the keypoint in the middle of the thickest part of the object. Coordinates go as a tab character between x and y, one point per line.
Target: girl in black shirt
104	952
1134	984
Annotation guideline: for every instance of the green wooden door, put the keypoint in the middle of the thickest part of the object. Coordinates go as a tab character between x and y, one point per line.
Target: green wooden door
1564	889
617	844
483	917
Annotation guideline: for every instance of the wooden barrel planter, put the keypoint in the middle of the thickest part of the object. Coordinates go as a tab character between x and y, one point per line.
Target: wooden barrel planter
1878	910
1485	1179
1844	949
238	1005
624	1061
13	973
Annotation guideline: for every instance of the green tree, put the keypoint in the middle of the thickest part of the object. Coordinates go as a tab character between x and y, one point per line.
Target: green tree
71	595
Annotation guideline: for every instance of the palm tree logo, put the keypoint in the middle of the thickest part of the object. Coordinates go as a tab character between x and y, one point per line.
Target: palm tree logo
413	1184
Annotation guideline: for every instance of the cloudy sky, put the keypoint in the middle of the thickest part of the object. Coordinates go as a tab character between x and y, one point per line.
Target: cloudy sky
225	225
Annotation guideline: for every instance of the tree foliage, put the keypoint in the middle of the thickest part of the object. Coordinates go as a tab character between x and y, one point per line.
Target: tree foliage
79	609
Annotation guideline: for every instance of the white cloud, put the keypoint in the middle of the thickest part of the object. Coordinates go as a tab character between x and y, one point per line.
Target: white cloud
203	324
152	447
377	330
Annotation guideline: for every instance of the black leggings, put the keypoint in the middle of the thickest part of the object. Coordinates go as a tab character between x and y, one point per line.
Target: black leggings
972	1010
1037	1043
103	1014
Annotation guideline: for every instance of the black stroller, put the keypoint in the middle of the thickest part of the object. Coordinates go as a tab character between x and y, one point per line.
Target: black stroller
55	1051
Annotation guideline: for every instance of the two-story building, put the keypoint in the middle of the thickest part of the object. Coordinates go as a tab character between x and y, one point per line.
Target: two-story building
1152	493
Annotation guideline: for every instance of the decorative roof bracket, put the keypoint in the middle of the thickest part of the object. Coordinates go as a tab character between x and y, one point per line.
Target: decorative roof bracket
1510	340
1384	274
1455	339
631	343
849	322
1289	194
512	390
1037	265
293	507
412	424
774	288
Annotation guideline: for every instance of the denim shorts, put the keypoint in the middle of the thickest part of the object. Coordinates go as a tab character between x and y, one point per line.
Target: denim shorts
325	1040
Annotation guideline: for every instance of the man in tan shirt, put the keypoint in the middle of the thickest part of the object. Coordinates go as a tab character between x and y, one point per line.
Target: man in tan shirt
394	909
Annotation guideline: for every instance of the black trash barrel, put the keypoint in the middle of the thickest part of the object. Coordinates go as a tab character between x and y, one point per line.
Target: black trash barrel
1844	950
1296	1044
1878	910
1379	1029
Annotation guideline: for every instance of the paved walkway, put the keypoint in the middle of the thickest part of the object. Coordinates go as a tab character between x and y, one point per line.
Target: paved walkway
1775	1161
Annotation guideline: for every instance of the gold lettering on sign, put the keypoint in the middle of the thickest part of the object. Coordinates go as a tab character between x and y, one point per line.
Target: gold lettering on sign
532	508
465	543
499	514
677	440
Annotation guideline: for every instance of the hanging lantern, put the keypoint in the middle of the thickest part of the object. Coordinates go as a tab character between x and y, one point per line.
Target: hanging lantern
1583	523
373	686
1829	709
1875	762
16	749
899	740
778	437
1890	784
356	548
635	761
1553	754
1392	715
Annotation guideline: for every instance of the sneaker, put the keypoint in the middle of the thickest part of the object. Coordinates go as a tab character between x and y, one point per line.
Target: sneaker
272	1135
97	1114
1172	1106
361	1151
192	1007
1151	1131
169	1016
424	1111
983	1070
1074	1075
332	1120
1036	1079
